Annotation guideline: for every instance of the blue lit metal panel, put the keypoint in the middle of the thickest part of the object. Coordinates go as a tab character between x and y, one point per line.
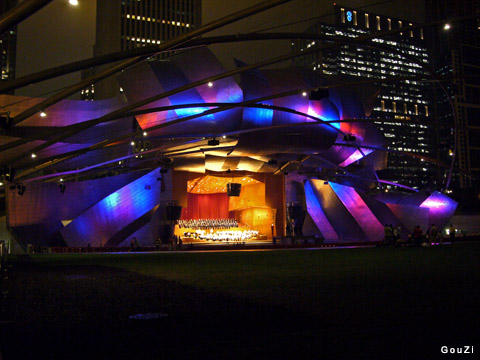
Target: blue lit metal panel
116	211
317	214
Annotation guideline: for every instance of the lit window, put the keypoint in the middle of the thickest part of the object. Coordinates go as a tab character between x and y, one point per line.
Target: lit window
355	18
405	110
421	34
367	24
416	109
342	15
389	24
394	106
411	31
383	105
378	23
400	25
426	110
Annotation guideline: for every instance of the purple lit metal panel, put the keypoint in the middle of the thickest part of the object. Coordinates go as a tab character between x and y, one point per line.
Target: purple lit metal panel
337	214
441	209
410	216
317	214
360	211
110	215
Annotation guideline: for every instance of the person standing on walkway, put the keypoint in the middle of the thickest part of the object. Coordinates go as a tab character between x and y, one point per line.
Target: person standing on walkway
417	235
433	234
451	231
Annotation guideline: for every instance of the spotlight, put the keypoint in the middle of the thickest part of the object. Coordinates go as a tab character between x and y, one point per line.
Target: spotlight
43	113
210	84
446	27
73	2
144	133
33	156
62	187
349	137
213	142
132	143
304	93
21	189
319	94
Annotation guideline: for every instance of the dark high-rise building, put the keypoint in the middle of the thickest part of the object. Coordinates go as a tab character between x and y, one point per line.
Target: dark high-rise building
403	109
8	45
456	52
125	24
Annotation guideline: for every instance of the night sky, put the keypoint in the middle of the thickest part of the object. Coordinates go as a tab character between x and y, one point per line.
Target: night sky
61	33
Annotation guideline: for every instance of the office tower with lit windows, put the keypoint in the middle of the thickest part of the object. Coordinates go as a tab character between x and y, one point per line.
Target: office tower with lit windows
125	24
8	44
403	108
456	52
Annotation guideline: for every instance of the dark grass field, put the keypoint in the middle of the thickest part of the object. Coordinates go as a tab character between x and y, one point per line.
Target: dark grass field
306	304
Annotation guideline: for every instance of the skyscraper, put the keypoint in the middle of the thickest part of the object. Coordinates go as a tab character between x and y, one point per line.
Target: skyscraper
456	52
125	24
8	43
403	109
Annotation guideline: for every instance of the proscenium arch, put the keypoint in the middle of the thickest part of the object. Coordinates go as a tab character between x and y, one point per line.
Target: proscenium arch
222	107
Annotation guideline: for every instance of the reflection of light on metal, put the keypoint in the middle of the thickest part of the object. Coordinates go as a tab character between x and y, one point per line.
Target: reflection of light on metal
324	115
433	203
357	155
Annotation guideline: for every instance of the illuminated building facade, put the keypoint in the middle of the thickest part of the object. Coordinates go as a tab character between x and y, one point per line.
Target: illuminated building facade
457	52
403	108
8	42
125	24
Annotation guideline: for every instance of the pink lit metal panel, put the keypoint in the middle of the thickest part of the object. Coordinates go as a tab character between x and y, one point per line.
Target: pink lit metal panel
360	211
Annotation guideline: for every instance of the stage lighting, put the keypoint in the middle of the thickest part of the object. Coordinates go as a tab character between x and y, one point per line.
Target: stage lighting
213	142
318	94
5	120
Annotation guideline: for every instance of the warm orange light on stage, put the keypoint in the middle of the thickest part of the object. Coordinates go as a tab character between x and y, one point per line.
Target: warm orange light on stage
213	184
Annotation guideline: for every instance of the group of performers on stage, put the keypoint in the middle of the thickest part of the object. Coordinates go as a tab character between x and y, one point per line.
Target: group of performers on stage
236	236
208	223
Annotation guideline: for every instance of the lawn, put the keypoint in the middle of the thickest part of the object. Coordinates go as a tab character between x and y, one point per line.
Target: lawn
349	303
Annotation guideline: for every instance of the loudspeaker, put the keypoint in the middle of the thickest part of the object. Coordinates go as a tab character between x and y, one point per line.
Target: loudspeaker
174	212
233	189
295	211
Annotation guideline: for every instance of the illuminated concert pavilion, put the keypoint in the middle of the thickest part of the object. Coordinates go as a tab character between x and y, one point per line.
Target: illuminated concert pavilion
245	161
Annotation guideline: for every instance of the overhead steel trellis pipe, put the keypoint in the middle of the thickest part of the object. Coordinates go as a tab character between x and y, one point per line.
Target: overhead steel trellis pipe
19	13
165	46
